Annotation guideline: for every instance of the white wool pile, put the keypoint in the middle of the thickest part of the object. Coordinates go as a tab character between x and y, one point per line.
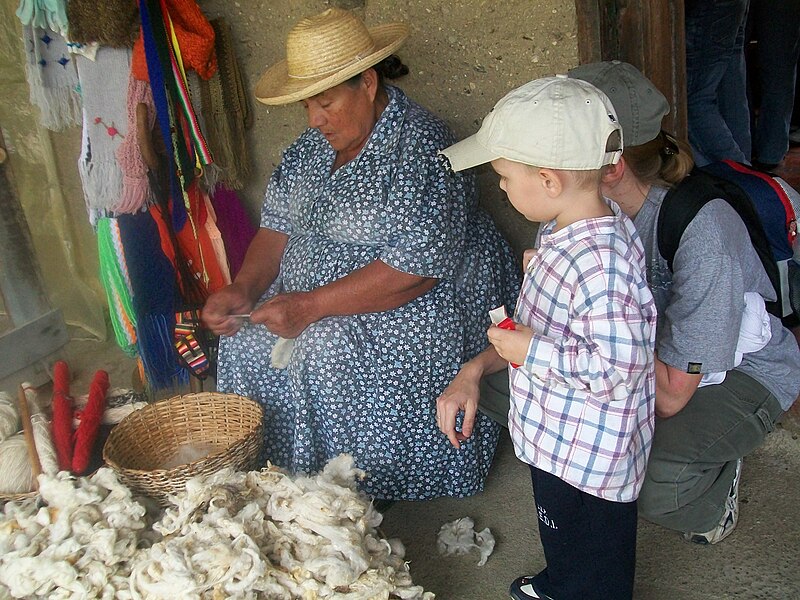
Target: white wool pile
261	534
459	537
78	545
267	534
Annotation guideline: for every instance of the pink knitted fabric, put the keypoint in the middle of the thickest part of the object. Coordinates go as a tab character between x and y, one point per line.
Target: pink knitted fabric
135	185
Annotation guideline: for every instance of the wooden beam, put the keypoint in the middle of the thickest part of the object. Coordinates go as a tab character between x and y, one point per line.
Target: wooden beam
649	34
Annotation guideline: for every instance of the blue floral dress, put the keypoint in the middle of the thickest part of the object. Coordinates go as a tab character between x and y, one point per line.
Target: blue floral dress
367	384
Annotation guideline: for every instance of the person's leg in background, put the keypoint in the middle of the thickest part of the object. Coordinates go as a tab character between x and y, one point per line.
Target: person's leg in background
777	30
715	68
733	104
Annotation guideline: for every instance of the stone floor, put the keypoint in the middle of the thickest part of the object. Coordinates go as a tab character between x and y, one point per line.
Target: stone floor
758	561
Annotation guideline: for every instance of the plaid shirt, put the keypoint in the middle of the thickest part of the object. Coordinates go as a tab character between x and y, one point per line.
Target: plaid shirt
582	404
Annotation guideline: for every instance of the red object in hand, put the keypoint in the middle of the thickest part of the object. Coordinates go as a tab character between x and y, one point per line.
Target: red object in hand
62	416
507	323
91	417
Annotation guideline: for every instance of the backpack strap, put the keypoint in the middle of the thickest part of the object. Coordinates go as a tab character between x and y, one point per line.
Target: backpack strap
679	208
684	201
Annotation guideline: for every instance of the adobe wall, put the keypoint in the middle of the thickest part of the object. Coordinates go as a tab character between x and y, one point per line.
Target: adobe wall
463	57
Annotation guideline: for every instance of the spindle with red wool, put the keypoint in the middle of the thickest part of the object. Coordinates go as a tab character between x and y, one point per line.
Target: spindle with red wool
91	417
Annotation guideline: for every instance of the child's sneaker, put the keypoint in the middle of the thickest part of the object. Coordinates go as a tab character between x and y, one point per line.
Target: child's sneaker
522	589
729	518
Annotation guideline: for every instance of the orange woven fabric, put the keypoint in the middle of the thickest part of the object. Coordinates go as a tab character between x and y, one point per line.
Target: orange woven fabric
195	38
197	250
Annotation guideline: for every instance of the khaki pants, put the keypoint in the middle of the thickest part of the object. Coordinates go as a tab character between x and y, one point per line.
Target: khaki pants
693	458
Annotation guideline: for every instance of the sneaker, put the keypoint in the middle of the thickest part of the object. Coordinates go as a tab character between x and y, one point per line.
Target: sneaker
730	516
522	589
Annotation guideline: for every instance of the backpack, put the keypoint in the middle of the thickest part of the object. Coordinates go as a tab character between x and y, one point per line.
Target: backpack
767	210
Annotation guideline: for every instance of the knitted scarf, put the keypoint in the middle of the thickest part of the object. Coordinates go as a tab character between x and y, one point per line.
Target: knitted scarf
52	79
104	84
195	37
135	185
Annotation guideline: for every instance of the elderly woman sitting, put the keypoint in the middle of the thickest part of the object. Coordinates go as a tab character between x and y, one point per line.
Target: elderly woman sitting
374	258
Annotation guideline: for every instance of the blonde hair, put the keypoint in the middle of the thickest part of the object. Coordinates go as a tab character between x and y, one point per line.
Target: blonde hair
587	180
663	161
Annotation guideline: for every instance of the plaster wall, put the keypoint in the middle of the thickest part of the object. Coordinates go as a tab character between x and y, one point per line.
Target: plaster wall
463	56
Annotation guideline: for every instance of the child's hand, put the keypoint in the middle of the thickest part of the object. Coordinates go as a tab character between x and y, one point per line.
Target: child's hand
511	345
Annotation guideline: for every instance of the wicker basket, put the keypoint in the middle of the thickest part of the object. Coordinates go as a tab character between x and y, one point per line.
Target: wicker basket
147	438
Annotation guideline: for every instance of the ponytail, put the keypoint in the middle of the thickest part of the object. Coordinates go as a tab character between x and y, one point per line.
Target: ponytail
664	160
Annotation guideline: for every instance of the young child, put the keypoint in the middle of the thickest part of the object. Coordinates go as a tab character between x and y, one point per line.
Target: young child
582	399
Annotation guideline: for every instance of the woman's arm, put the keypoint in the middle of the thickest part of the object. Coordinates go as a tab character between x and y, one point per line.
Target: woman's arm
259	269
674	389
463	394
376	287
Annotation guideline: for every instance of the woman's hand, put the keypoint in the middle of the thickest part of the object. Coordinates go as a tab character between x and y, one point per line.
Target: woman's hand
287	315
511	345
230	300
463	394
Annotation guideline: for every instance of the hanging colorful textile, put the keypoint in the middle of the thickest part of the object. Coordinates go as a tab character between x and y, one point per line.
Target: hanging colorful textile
226	113
113	23
155	297
191	251
135	183
117	284
104	84
180	156
52	79
44	14
195	37
189	332
215	238
234	224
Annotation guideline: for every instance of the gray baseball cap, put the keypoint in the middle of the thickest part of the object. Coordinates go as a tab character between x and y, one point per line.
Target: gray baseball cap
639	105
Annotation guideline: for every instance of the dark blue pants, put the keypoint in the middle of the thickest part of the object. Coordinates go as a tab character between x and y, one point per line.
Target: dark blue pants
717	109
777	28
589	543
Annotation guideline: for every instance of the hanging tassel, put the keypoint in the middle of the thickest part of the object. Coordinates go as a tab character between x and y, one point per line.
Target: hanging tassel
114	277
154	298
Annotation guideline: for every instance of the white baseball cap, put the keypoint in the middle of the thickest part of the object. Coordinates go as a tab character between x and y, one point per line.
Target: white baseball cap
553	122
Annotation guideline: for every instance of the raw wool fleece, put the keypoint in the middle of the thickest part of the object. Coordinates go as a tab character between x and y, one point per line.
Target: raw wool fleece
104	83
52	80
112	23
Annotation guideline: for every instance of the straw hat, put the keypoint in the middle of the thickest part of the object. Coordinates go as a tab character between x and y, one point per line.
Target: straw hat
324	51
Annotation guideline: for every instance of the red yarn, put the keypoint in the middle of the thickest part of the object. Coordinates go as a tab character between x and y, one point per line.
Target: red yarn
62	416
91	417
